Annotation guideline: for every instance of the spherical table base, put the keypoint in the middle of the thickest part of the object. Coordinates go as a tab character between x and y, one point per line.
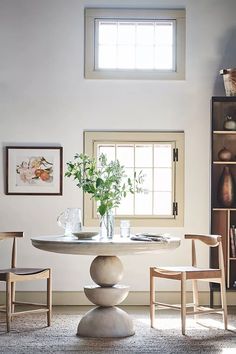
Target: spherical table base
105	322
106	296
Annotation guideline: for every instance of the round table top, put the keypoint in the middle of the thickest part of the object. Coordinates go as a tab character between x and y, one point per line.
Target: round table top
95	246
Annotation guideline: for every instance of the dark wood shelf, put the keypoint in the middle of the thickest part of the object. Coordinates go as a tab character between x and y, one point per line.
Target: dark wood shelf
222	218
224	162
224	132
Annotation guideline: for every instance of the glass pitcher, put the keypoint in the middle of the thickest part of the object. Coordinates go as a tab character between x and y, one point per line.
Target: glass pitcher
70	221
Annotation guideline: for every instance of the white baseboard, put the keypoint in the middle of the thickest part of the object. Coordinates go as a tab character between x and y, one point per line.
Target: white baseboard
134	298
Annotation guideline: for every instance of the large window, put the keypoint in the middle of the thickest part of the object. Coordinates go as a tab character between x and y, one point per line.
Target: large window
136	44
159	156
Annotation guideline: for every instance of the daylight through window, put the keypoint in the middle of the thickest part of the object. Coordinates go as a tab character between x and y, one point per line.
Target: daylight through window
156	164
159	156
134	43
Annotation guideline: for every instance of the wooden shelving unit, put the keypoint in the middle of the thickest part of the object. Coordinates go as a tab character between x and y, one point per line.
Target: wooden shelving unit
222	218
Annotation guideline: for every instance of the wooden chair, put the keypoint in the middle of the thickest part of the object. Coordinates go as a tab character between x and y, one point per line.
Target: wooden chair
192	273
13	275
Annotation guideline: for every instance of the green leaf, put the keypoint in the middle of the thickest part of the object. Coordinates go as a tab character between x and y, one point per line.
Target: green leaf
99	182
102	209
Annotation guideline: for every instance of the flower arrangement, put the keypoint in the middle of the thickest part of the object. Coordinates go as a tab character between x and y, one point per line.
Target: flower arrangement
105	181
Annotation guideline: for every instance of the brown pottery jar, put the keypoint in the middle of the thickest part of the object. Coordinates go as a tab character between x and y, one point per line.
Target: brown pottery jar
226	188
224	155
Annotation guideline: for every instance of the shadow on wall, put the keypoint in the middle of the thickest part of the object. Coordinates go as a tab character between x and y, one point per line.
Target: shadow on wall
227	51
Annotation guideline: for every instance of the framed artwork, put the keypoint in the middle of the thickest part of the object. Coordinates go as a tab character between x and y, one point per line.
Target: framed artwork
34	170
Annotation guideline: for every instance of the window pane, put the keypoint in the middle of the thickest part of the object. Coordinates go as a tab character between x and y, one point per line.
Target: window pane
107	33
144	57
125	57
107	57
143	155
162	179
125	154
164	57
162	203
126	206
162	155
164	34
108	150
135	45
145	33
143	203
129	173
126	33
147	184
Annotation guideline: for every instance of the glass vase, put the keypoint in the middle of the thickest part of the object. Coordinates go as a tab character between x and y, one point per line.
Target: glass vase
107	225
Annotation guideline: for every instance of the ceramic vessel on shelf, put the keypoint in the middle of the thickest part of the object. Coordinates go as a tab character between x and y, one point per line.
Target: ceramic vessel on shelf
226	188
224	155
229	123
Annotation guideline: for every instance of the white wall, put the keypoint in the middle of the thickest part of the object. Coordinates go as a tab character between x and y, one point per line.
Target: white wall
44	99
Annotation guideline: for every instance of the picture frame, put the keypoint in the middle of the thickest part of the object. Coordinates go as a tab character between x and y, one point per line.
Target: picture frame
34	170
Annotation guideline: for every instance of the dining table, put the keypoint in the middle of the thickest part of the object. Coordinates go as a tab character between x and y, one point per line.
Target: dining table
106	320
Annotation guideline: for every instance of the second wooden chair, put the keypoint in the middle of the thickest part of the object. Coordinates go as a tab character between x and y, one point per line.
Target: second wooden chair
13	275
193	273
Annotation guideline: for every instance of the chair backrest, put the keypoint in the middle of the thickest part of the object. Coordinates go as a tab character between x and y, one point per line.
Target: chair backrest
13	236
209	240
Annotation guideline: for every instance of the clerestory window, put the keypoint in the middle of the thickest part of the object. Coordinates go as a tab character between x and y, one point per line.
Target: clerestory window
134	44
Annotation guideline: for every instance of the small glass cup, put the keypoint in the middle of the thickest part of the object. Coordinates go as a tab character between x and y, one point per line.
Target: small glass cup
124	228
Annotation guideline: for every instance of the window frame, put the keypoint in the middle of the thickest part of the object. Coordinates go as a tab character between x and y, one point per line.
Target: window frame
94	14
93	138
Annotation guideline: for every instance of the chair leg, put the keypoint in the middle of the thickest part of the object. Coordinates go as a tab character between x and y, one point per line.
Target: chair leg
224	303
152	298
8	305
49	298
13	296
195	297
183	301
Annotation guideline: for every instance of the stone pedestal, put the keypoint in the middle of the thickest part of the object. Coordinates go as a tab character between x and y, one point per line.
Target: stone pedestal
106	320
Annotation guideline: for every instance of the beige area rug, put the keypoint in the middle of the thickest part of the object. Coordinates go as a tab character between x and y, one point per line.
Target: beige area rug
29	335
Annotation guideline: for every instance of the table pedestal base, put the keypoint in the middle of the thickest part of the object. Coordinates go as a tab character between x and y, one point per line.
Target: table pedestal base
106	322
